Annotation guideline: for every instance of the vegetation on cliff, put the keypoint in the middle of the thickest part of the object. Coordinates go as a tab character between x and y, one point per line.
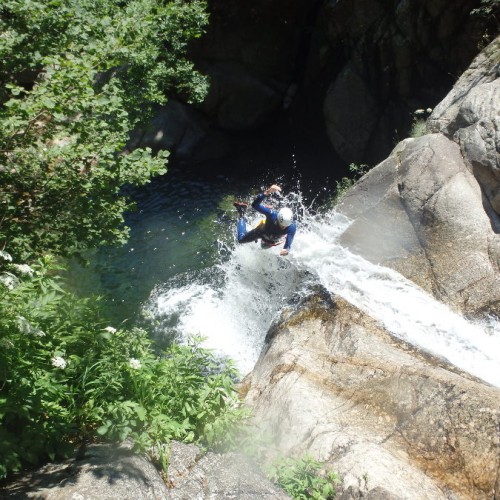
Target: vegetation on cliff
76	77
303	478
68	377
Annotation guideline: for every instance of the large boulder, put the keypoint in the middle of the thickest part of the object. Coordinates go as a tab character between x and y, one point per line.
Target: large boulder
238	100
421	212
184	131
470	115
430	210
333	383
108	472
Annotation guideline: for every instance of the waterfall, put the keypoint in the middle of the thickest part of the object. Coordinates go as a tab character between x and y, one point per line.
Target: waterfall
233	304
403	308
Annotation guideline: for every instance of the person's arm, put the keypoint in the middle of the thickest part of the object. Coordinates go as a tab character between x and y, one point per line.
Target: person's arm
289	239
257	203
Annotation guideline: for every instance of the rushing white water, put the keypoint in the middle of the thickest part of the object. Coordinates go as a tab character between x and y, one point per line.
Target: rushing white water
402	307
235	306
234	312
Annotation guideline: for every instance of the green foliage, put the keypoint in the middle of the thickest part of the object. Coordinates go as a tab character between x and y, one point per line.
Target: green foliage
66	377
418	128
346	183
419	122
301	478
94	68
76	76
489	13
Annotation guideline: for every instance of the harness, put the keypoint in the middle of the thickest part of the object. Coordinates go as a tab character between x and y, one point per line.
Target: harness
268	239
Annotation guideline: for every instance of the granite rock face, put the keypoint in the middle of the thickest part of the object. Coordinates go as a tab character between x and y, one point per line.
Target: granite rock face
350	72
376	62
333	383
213	476
430	210
108	472
101	472
421	212
470	115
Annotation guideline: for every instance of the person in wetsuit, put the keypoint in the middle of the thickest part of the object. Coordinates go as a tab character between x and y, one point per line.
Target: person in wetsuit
276	227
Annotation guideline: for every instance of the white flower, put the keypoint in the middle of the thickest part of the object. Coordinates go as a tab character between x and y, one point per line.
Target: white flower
419	111
5	256
6	344
23	269
134	363
23	324
9	280
59	362
429	110
110	329
27	328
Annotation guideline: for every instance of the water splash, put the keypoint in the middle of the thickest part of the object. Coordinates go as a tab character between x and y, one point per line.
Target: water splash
235	303
234	311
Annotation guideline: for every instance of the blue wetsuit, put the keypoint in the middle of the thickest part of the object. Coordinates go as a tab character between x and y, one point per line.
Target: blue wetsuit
269	231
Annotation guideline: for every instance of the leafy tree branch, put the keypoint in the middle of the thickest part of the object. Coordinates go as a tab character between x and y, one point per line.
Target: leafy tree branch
76	77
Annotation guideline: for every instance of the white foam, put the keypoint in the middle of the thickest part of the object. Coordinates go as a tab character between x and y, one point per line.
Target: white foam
235	317
402	307
234	313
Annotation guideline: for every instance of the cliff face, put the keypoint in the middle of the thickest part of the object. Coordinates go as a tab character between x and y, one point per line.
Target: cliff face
333	382
431	209
380	61
350	72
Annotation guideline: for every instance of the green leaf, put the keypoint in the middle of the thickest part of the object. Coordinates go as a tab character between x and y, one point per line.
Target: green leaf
103	429
48	102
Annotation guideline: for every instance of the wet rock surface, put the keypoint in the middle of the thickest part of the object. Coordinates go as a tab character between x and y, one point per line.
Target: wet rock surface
382	413
430	209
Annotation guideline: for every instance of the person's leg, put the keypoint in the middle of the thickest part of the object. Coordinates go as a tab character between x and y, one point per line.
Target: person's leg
241	229
252	235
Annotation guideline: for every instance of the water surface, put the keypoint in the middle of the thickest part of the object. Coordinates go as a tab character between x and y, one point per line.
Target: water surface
183	273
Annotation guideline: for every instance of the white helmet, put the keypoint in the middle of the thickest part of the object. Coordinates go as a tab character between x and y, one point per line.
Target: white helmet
285	217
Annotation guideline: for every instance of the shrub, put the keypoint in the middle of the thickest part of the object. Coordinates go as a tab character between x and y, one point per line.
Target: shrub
418	128
419	122
67	377
488	8
77	76
342	186
489	14
301	478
